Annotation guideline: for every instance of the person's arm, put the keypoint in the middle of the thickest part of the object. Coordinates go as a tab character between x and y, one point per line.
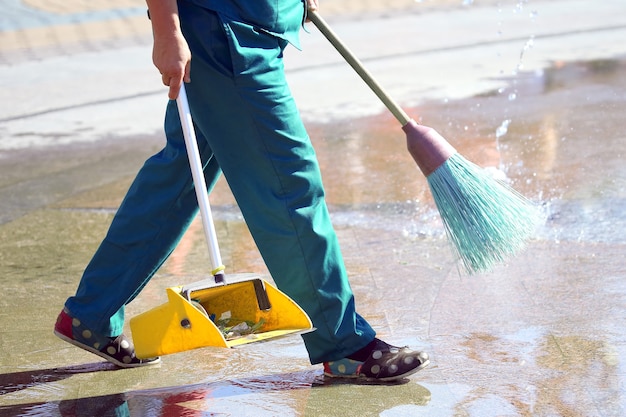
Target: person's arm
170	52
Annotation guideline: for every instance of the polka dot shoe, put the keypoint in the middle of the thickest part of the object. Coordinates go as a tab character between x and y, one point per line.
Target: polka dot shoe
118	350
385	363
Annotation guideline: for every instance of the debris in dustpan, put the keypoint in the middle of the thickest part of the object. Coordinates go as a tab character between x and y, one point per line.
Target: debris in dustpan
241	329
231	328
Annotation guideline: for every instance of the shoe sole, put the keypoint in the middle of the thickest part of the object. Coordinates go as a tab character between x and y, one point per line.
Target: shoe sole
104	355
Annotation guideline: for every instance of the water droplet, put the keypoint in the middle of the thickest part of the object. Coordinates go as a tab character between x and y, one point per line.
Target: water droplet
529	43
512	96
503	128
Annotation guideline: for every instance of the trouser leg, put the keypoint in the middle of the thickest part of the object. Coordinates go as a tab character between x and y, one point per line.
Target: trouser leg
246	115
158	208
240	100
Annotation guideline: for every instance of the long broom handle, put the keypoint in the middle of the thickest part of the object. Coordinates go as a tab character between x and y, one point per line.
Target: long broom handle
199	183
355	63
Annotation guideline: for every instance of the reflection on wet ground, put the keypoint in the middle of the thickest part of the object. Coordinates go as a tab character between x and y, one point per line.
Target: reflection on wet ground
540	336
305	391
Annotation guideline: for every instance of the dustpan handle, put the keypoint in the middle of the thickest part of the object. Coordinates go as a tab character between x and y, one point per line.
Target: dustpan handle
199	183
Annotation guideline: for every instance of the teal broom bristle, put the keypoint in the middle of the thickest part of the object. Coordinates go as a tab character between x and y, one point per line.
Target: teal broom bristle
485	219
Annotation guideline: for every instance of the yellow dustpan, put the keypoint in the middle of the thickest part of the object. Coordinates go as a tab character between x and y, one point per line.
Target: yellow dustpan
224	311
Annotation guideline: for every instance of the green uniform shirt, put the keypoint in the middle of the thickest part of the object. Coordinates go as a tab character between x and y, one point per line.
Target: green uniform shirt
280	18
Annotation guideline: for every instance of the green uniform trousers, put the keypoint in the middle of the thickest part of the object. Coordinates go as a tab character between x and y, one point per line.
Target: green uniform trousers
249	128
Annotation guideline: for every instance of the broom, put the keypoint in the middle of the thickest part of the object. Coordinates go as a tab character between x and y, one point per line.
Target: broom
485	219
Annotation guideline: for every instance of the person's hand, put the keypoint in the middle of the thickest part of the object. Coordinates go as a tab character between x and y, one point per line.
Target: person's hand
312	5
171	56
170	52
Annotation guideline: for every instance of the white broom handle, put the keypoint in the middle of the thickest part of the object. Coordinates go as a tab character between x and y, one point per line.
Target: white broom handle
355	63
199	183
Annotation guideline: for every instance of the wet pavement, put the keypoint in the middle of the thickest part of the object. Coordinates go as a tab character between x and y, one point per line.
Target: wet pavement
535	90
